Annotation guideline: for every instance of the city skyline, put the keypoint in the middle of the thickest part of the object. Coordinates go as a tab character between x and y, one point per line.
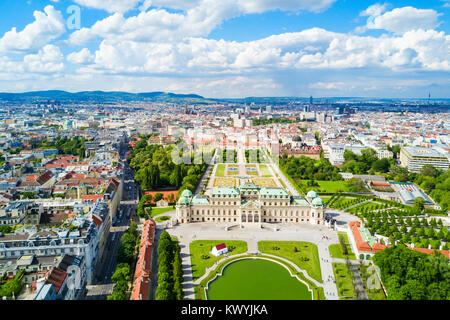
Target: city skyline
238	49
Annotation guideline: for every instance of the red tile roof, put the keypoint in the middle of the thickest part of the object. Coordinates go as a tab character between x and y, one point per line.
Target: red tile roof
221	246
142	274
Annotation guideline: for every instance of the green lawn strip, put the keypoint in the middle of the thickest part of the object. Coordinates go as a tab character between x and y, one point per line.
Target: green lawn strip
265	172
220	171
286	249
162	219
199	248
157	211
324	186
343	279
318	292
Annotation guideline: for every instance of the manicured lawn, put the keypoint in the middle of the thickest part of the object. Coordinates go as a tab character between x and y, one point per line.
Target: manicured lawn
220	172
325	186
201	248
158	211
265	172
257	280
325	199
162	219
343	281
336	249
306	257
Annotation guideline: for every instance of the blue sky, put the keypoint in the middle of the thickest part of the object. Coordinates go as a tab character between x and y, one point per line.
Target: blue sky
233	48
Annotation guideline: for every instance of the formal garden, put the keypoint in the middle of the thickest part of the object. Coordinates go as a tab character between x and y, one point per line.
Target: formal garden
251	170
233	170
264	182
224	182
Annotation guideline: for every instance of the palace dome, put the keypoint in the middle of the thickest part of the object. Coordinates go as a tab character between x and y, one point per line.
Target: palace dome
312	194
186	193
317	202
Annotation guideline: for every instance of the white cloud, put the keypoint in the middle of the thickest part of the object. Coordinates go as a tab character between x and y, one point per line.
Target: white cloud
110	5
328	85
309	49
48	25
374	10
198	18
48	60
399	20
246	6
82	57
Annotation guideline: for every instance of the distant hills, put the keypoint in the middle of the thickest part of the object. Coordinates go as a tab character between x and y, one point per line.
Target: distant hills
109	97
102	96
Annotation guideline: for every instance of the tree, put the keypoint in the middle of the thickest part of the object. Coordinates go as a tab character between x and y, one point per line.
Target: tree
419	204
122	273
158	196
381	165
429	171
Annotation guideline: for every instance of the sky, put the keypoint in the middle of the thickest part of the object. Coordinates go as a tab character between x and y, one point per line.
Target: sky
228	48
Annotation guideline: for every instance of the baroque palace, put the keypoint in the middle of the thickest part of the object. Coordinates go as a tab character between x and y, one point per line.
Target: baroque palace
250	204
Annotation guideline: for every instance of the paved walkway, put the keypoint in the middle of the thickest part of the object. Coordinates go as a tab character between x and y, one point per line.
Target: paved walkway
188	284
206	174
281	176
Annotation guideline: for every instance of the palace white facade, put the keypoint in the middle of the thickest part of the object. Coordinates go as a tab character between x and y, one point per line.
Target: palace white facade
250	204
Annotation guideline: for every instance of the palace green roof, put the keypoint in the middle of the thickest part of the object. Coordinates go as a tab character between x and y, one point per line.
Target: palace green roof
274	192
200	200
300	201
226	192
249	185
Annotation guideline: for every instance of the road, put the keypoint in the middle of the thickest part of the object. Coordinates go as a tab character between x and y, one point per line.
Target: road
105	269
